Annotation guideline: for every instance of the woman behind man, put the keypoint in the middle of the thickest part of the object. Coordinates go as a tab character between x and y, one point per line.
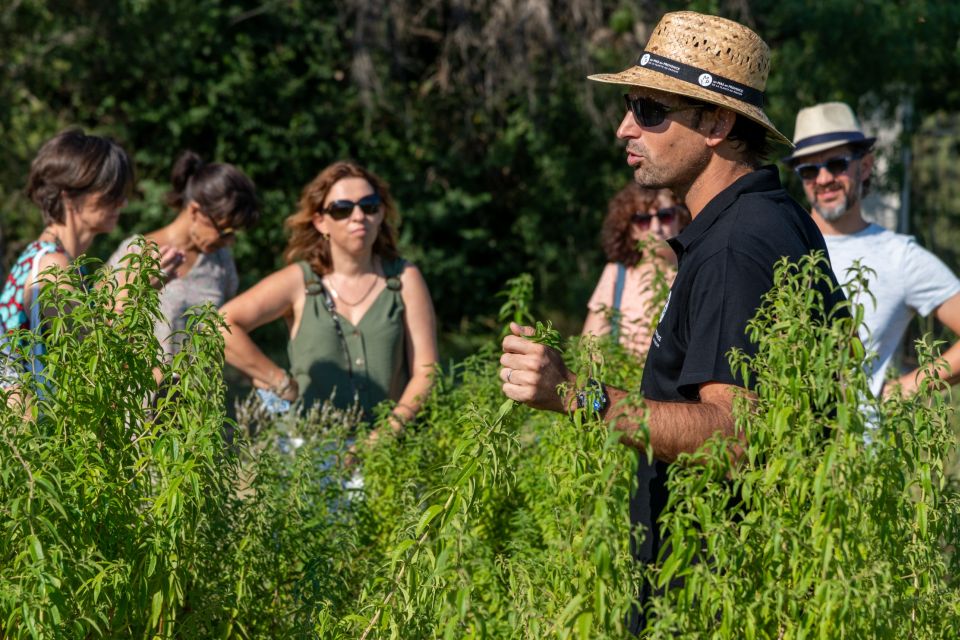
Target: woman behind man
80	183
638	223
213	201
360	318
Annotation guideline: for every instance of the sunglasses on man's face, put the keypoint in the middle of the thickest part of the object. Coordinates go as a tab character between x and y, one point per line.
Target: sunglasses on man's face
340	209
650	113
836	165
642	220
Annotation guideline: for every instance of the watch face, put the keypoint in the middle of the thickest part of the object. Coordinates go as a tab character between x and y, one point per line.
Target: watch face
598	398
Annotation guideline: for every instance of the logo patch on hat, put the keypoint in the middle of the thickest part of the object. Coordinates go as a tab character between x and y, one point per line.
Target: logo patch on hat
694	53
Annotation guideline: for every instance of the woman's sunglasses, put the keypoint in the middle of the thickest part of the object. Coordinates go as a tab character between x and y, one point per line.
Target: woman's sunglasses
340	209
650	113
836	165
222	232
642	220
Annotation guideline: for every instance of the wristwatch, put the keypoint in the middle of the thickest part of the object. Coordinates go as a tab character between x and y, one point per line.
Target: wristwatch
593	395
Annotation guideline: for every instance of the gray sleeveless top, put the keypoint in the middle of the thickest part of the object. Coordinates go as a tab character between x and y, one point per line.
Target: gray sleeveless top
213	279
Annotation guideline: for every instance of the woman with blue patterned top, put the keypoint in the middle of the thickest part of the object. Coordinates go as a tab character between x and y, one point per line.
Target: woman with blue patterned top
80	183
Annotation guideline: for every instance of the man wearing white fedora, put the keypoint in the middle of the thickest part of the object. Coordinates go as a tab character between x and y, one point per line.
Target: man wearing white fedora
834	161
694	123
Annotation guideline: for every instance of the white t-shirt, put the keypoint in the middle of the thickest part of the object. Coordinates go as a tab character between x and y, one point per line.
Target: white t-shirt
908	279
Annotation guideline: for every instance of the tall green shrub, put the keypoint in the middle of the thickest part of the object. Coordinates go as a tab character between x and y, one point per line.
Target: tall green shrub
106	479
838	520
125	512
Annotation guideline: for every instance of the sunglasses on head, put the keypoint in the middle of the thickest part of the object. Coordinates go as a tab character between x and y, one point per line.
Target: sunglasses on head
835	165
650	113
666	216
340	209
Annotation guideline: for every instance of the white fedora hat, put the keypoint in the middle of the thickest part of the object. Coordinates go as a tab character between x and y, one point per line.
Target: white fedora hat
825	126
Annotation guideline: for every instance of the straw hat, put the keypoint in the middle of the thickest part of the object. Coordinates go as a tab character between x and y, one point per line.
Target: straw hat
824	126
706	58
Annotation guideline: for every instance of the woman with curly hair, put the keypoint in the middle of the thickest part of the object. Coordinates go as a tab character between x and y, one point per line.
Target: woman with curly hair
639	221
360	318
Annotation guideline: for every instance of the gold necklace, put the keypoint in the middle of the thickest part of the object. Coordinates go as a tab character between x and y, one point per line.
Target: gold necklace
339	297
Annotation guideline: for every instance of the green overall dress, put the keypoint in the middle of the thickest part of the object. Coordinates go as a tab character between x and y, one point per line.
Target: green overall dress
377	368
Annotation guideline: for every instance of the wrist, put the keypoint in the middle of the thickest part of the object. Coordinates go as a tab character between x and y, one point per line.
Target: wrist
282	383
404	413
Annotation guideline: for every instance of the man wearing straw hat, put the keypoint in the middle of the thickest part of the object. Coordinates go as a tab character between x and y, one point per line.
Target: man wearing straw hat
695	124
834	161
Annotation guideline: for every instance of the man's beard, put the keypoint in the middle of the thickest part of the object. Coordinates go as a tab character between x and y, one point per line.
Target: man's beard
677	178
834	212
837	211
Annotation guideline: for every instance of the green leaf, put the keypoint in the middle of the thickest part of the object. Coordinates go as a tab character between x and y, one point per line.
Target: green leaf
432	512
156	608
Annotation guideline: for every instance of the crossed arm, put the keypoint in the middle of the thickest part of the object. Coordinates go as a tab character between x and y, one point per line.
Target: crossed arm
532	373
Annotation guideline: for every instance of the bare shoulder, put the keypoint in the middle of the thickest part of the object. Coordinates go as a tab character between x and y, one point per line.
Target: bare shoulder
271	298
53	258
412	275
287	281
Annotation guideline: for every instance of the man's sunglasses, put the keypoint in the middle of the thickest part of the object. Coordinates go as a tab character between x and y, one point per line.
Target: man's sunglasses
340	209
837	165
222	232
642	220
650	113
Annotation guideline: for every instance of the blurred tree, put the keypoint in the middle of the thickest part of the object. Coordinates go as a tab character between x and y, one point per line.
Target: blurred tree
501	155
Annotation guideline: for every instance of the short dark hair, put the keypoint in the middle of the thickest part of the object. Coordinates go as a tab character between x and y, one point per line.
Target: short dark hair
221	190
752	138
74	165
861	150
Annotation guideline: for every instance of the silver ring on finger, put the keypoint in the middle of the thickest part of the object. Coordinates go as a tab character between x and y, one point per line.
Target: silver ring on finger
509	373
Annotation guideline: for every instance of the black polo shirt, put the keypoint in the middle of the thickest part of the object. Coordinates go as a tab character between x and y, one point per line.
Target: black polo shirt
726	258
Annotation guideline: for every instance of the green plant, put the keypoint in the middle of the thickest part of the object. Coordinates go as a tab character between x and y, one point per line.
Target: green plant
837	520
130	508
107	479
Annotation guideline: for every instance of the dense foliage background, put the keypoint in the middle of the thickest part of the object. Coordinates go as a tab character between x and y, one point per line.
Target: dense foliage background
501	154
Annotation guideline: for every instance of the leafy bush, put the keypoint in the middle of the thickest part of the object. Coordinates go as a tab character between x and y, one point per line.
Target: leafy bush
107	480
844	522
133	509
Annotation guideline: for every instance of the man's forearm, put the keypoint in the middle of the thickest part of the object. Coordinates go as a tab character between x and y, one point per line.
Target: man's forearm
674	427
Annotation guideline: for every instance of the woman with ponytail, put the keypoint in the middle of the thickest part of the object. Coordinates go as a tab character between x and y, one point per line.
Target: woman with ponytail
213	201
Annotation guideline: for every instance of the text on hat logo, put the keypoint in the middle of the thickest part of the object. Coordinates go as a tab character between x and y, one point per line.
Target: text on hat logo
644	59
705	80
